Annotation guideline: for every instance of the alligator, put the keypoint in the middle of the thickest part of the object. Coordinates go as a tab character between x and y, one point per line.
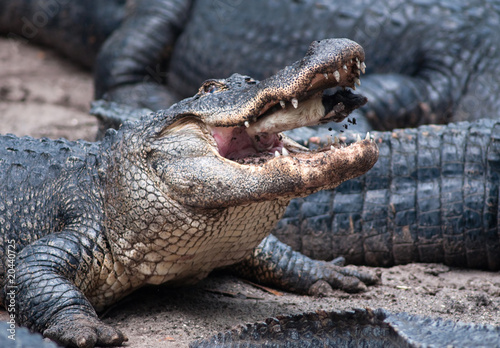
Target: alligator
173	196
446	68
355	328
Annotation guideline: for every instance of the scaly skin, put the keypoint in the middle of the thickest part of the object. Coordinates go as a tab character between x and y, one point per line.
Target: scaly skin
171	197
357	328
433	196
429	62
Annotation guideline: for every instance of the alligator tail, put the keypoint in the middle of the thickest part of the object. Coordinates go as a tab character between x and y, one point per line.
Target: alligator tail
432	197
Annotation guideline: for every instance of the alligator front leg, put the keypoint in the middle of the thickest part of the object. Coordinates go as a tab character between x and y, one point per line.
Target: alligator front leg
128	68
50	276
275	263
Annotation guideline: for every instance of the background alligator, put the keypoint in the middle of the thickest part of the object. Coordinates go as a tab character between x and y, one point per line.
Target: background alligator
433	196
174	196
77	29
356	328
430	62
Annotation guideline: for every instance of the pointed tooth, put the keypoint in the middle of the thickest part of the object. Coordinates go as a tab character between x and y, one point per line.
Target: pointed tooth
247	124
358	64
295	103
336	75
367	136
358	137
356	59
285	152
332	148
363	67
276	153
344	67
282	103
326	76
336	140
357	81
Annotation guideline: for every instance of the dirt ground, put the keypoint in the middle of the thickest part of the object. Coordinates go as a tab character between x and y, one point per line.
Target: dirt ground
43	95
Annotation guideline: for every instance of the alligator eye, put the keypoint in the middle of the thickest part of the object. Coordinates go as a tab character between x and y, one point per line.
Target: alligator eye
250	81
210	88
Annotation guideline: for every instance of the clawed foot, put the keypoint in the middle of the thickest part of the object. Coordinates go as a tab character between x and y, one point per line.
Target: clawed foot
78	330
350	279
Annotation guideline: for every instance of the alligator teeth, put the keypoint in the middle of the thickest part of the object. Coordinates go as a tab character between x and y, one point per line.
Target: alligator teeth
358	137
358	81
336	140
285	152
326	76
247	124
295	103
367	136
344	67
282	103
358	65
363	67
276	153
336	74
332	148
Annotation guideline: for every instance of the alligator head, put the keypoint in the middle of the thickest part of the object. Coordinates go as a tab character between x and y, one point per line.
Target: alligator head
223	148
226	141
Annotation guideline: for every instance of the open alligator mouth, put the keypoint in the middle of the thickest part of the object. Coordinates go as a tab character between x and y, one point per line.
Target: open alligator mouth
325	97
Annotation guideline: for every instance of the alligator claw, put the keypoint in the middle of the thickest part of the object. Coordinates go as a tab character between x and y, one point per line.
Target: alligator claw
276	264
84	332
349	279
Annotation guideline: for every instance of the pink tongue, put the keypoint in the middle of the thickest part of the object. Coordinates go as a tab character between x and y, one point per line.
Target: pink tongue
233	143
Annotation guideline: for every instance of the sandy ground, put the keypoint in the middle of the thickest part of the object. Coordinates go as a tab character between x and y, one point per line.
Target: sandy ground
43	95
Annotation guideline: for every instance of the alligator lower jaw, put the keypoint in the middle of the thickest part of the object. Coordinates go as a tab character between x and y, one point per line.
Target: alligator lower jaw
240	148
303	170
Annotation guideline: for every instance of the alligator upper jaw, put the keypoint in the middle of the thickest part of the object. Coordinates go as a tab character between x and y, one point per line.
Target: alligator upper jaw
250	130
